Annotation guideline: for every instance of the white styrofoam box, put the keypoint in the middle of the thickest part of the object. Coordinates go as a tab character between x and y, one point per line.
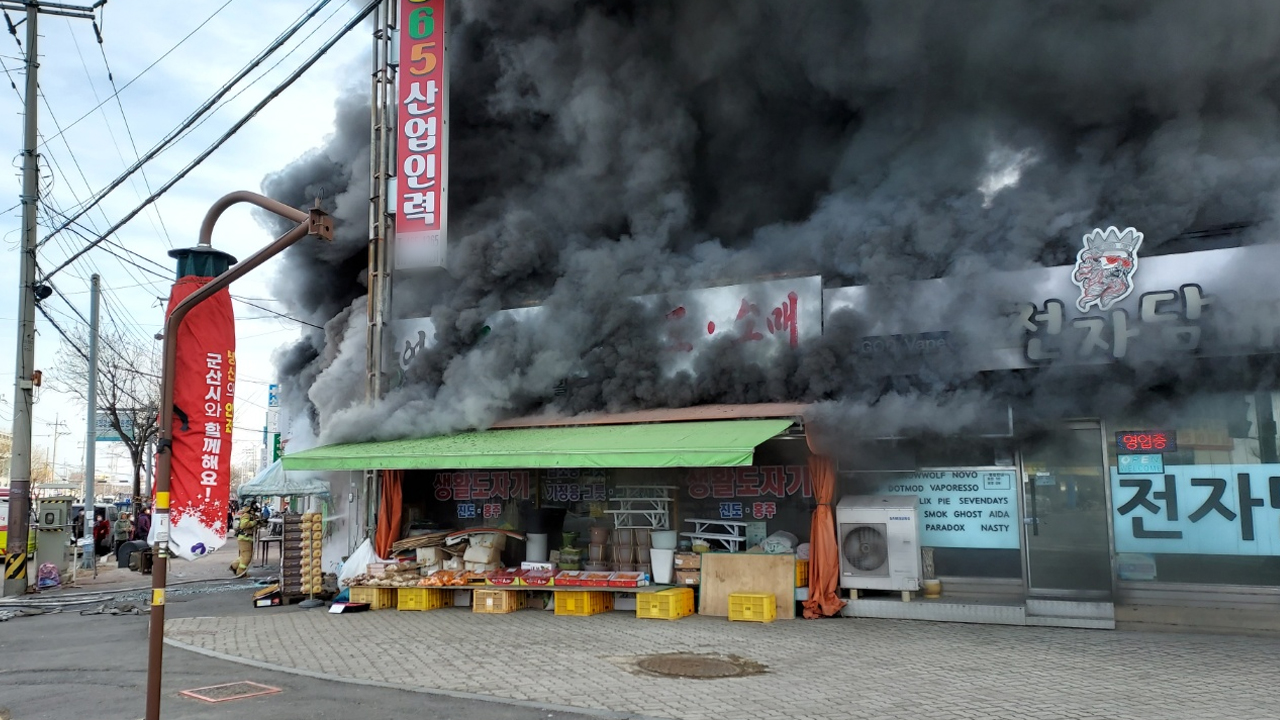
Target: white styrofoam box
430	556
478	554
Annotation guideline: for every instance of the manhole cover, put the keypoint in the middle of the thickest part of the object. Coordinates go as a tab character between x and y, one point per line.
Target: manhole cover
229	691
699	667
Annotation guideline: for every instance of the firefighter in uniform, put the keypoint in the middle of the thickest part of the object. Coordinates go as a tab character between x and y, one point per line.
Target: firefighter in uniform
244	537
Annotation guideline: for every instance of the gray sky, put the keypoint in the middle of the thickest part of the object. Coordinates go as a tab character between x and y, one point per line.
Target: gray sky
73	77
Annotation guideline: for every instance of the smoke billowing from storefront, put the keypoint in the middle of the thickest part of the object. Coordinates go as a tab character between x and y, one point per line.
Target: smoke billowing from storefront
602	151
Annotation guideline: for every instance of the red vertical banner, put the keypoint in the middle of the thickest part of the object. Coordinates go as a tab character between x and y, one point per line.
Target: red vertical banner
203	395
422	148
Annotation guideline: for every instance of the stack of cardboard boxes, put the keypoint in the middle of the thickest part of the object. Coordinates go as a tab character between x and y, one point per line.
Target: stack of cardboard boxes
688	568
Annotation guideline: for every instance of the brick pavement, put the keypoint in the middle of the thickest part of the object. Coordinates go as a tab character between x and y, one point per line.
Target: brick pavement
879	669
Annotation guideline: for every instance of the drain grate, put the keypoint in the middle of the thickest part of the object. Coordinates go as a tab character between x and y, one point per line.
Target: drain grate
230	691
699	667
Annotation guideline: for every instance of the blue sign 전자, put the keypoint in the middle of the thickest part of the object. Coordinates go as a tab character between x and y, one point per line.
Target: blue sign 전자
1139	464
1199	509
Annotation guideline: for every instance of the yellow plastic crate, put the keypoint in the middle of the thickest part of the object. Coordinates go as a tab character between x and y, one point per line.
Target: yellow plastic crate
752	607
582	604
670	604
423	598
498	602
802	573
377	598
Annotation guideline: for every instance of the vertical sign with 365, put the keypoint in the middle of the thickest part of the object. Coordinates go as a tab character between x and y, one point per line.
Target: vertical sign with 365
422	156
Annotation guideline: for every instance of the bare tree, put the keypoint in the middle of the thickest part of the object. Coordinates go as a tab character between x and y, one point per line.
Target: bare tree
128	389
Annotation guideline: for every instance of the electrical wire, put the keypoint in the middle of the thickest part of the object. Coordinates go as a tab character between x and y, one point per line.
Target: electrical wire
239	299
176	134
124	117
288	82
144	70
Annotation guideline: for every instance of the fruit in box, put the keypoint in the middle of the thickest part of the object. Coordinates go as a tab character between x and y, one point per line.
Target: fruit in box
628	579
502	577
539	578
570	577
596	579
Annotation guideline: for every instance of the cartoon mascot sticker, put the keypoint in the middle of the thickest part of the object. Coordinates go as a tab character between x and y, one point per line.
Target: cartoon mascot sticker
1105	266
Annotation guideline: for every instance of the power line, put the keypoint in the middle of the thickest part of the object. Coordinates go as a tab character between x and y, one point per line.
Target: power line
102	50
288	81
144	71
191	119
273	312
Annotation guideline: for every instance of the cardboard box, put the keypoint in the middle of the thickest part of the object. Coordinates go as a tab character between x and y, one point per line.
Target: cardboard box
688	561
268	597
688	577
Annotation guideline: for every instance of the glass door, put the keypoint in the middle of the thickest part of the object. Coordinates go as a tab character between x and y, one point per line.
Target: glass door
1068	538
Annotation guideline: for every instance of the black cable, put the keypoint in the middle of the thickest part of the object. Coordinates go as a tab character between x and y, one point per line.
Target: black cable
288	81
146	182
191	119
273	312
144	70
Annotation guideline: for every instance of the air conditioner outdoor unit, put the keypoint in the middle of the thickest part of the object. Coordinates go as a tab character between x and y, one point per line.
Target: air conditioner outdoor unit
879	542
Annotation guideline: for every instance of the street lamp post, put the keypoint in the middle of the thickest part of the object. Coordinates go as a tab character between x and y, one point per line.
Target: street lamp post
315	222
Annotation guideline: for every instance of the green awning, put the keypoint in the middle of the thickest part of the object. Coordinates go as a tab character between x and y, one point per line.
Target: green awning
722	443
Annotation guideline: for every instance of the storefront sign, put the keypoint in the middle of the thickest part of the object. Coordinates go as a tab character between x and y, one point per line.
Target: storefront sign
422	156
963	508
1146	441
568	485
473	485
1144	464
1213	302
1199	509
778	312
744	492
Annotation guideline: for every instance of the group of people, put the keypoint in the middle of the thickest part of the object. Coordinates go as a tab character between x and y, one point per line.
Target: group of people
108	535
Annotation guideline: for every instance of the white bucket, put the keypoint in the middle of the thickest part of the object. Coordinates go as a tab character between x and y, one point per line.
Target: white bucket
662	560
663	539
535	549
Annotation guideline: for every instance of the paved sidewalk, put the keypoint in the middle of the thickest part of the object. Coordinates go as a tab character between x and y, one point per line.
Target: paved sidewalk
869	668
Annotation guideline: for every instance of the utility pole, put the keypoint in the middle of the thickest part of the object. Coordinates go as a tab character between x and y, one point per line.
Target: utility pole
382	139
15	569
91	434
53	460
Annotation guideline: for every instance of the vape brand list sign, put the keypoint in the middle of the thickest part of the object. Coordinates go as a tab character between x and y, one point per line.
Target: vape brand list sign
422	156
963	508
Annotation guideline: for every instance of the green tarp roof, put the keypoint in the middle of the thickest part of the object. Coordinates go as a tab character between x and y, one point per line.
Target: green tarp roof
720	443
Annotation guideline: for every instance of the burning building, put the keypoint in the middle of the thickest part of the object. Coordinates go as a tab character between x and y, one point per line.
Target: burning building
1013	260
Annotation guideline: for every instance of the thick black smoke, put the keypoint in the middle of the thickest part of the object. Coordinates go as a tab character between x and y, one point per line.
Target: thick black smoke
603	150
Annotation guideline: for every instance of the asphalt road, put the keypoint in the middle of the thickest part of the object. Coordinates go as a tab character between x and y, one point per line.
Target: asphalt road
65	666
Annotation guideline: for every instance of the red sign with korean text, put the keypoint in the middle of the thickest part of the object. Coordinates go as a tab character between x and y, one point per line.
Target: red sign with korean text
422	149
203	393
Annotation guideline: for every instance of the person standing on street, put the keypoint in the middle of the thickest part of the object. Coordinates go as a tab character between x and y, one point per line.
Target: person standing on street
123	529
102	535
142	528
244	538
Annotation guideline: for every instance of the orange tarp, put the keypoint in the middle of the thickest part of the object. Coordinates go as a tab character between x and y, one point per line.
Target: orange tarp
824	555
388	530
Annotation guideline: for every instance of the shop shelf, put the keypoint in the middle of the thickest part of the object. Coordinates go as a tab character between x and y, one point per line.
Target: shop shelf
498	602
582	604
377	598
802	573
752	607
670	604
423	598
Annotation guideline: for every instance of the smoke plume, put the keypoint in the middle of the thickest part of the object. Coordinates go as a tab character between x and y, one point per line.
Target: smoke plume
607	150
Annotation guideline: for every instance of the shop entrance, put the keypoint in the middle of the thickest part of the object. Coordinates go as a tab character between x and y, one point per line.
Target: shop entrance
1068	538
